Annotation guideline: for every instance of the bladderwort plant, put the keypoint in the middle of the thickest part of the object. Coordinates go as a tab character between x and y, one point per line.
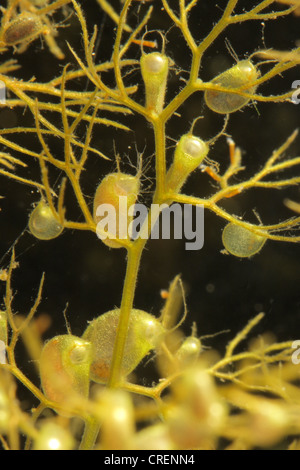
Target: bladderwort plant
92	390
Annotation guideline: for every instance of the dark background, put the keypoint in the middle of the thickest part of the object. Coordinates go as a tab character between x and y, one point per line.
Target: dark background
223	292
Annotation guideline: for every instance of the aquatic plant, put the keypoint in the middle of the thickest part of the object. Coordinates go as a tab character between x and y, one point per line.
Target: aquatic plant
71	148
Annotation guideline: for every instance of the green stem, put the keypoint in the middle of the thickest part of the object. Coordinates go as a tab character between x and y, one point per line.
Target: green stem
90	435
134	256
133	262
160	157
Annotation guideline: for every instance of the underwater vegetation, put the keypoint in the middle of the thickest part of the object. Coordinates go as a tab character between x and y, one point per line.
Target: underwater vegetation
116	116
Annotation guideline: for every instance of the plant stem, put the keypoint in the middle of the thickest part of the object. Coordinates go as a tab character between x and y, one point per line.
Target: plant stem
90	435
134	256
160	157
133	262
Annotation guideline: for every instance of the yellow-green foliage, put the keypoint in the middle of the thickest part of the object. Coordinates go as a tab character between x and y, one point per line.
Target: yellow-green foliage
245	396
